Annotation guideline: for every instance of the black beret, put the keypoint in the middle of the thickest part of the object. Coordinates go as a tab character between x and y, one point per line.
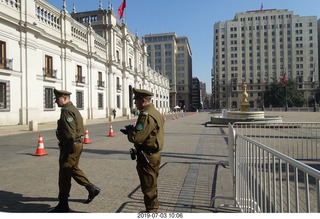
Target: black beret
140	93
59	93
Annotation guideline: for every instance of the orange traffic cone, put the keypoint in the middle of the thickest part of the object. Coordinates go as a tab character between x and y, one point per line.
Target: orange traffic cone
86	139
164	119
172	117
40	148
111	134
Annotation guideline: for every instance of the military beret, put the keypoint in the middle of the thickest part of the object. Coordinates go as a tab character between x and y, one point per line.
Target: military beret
140	93
59	93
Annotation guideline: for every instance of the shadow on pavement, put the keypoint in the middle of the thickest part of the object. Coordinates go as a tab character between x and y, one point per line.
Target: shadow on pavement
13	202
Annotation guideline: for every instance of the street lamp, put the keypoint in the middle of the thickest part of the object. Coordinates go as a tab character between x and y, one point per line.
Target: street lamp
262	92
285	90
314	95
284	78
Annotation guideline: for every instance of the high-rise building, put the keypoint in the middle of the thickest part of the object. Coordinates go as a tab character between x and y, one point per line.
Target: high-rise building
171	56
259	47
196	94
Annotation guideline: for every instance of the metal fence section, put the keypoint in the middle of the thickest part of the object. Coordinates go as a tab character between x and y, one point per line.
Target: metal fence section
267	175
297	140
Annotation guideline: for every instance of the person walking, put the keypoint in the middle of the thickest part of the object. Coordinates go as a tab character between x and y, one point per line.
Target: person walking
148	139
69	133
114	113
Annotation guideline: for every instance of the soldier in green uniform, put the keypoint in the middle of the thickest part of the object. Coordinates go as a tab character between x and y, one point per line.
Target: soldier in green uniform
69	133
148	138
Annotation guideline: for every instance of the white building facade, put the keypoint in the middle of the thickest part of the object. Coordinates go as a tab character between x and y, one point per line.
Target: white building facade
43	48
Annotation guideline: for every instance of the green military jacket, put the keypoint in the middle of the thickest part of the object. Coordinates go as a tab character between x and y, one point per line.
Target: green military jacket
148	134
70	125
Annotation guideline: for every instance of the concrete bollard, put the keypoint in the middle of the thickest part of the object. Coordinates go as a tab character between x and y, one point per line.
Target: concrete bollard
110	118
33	126
128	116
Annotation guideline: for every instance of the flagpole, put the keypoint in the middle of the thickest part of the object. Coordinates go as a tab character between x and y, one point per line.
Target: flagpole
314	88
285	89
262	94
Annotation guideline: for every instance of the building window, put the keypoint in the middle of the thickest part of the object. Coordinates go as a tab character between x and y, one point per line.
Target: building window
79	99
118	84
100	81
2	54
48	98
130	63
48	68
118	101
100	101
78	73
4	95
118	56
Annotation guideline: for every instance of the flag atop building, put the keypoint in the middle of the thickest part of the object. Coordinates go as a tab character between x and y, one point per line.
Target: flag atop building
284	78
121	9
261	7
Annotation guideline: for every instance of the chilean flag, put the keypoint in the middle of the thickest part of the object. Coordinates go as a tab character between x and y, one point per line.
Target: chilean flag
284	79
121	9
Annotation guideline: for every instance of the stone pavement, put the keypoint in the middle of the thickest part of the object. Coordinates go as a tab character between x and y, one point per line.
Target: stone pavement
193	169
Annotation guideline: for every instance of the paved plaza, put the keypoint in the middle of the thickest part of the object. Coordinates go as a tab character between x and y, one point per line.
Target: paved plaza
194	167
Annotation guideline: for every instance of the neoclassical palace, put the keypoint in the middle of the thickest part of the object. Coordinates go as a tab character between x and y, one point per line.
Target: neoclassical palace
42	48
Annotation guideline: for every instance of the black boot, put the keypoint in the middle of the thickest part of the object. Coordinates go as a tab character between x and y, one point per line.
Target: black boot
62	207
93	192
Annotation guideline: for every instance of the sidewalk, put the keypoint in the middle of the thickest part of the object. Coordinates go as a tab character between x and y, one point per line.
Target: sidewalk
20	129
190	175
193	169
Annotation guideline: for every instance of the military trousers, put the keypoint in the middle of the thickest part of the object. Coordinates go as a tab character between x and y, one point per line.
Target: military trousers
68	168
148	174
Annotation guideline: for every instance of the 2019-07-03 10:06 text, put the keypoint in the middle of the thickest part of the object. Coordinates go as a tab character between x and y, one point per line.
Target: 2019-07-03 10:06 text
160	215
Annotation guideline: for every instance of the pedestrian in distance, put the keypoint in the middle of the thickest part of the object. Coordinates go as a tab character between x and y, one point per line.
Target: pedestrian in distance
148	139
69	133
114	111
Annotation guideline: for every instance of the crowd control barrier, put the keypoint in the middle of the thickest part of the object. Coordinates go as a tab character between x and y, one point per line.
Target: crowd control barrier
275	167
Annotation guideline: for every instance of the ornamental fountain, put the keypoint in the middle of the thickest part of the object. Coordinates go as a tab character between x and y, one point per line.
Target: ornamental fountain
244	115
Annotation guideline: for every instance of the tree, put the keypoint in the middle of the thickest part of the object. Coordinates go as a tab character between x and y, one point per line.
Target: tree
275	95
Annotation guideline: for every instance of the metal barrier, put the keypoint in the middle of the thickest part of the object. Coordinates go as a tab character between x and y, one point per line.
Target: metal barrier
297	140
267	177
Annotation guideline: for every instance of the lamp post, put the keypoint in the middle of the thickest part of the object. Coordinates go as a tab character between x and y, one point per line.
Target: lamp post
285	90
262	88
315	102
314	95
262	100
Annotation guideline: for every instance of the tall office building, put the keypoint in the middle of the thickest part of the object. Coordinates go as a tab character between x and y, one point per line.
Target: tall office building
204	95
196	94
259	47
170	55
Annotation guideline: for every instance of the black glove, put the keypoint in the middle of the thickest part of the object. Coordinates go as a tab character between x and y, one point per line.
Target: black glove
129	127
124	131
64	157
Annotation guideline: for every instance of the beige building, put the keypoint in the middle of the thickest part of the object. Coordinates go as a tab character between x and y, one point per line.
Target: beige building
42	48
171	56
257	47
